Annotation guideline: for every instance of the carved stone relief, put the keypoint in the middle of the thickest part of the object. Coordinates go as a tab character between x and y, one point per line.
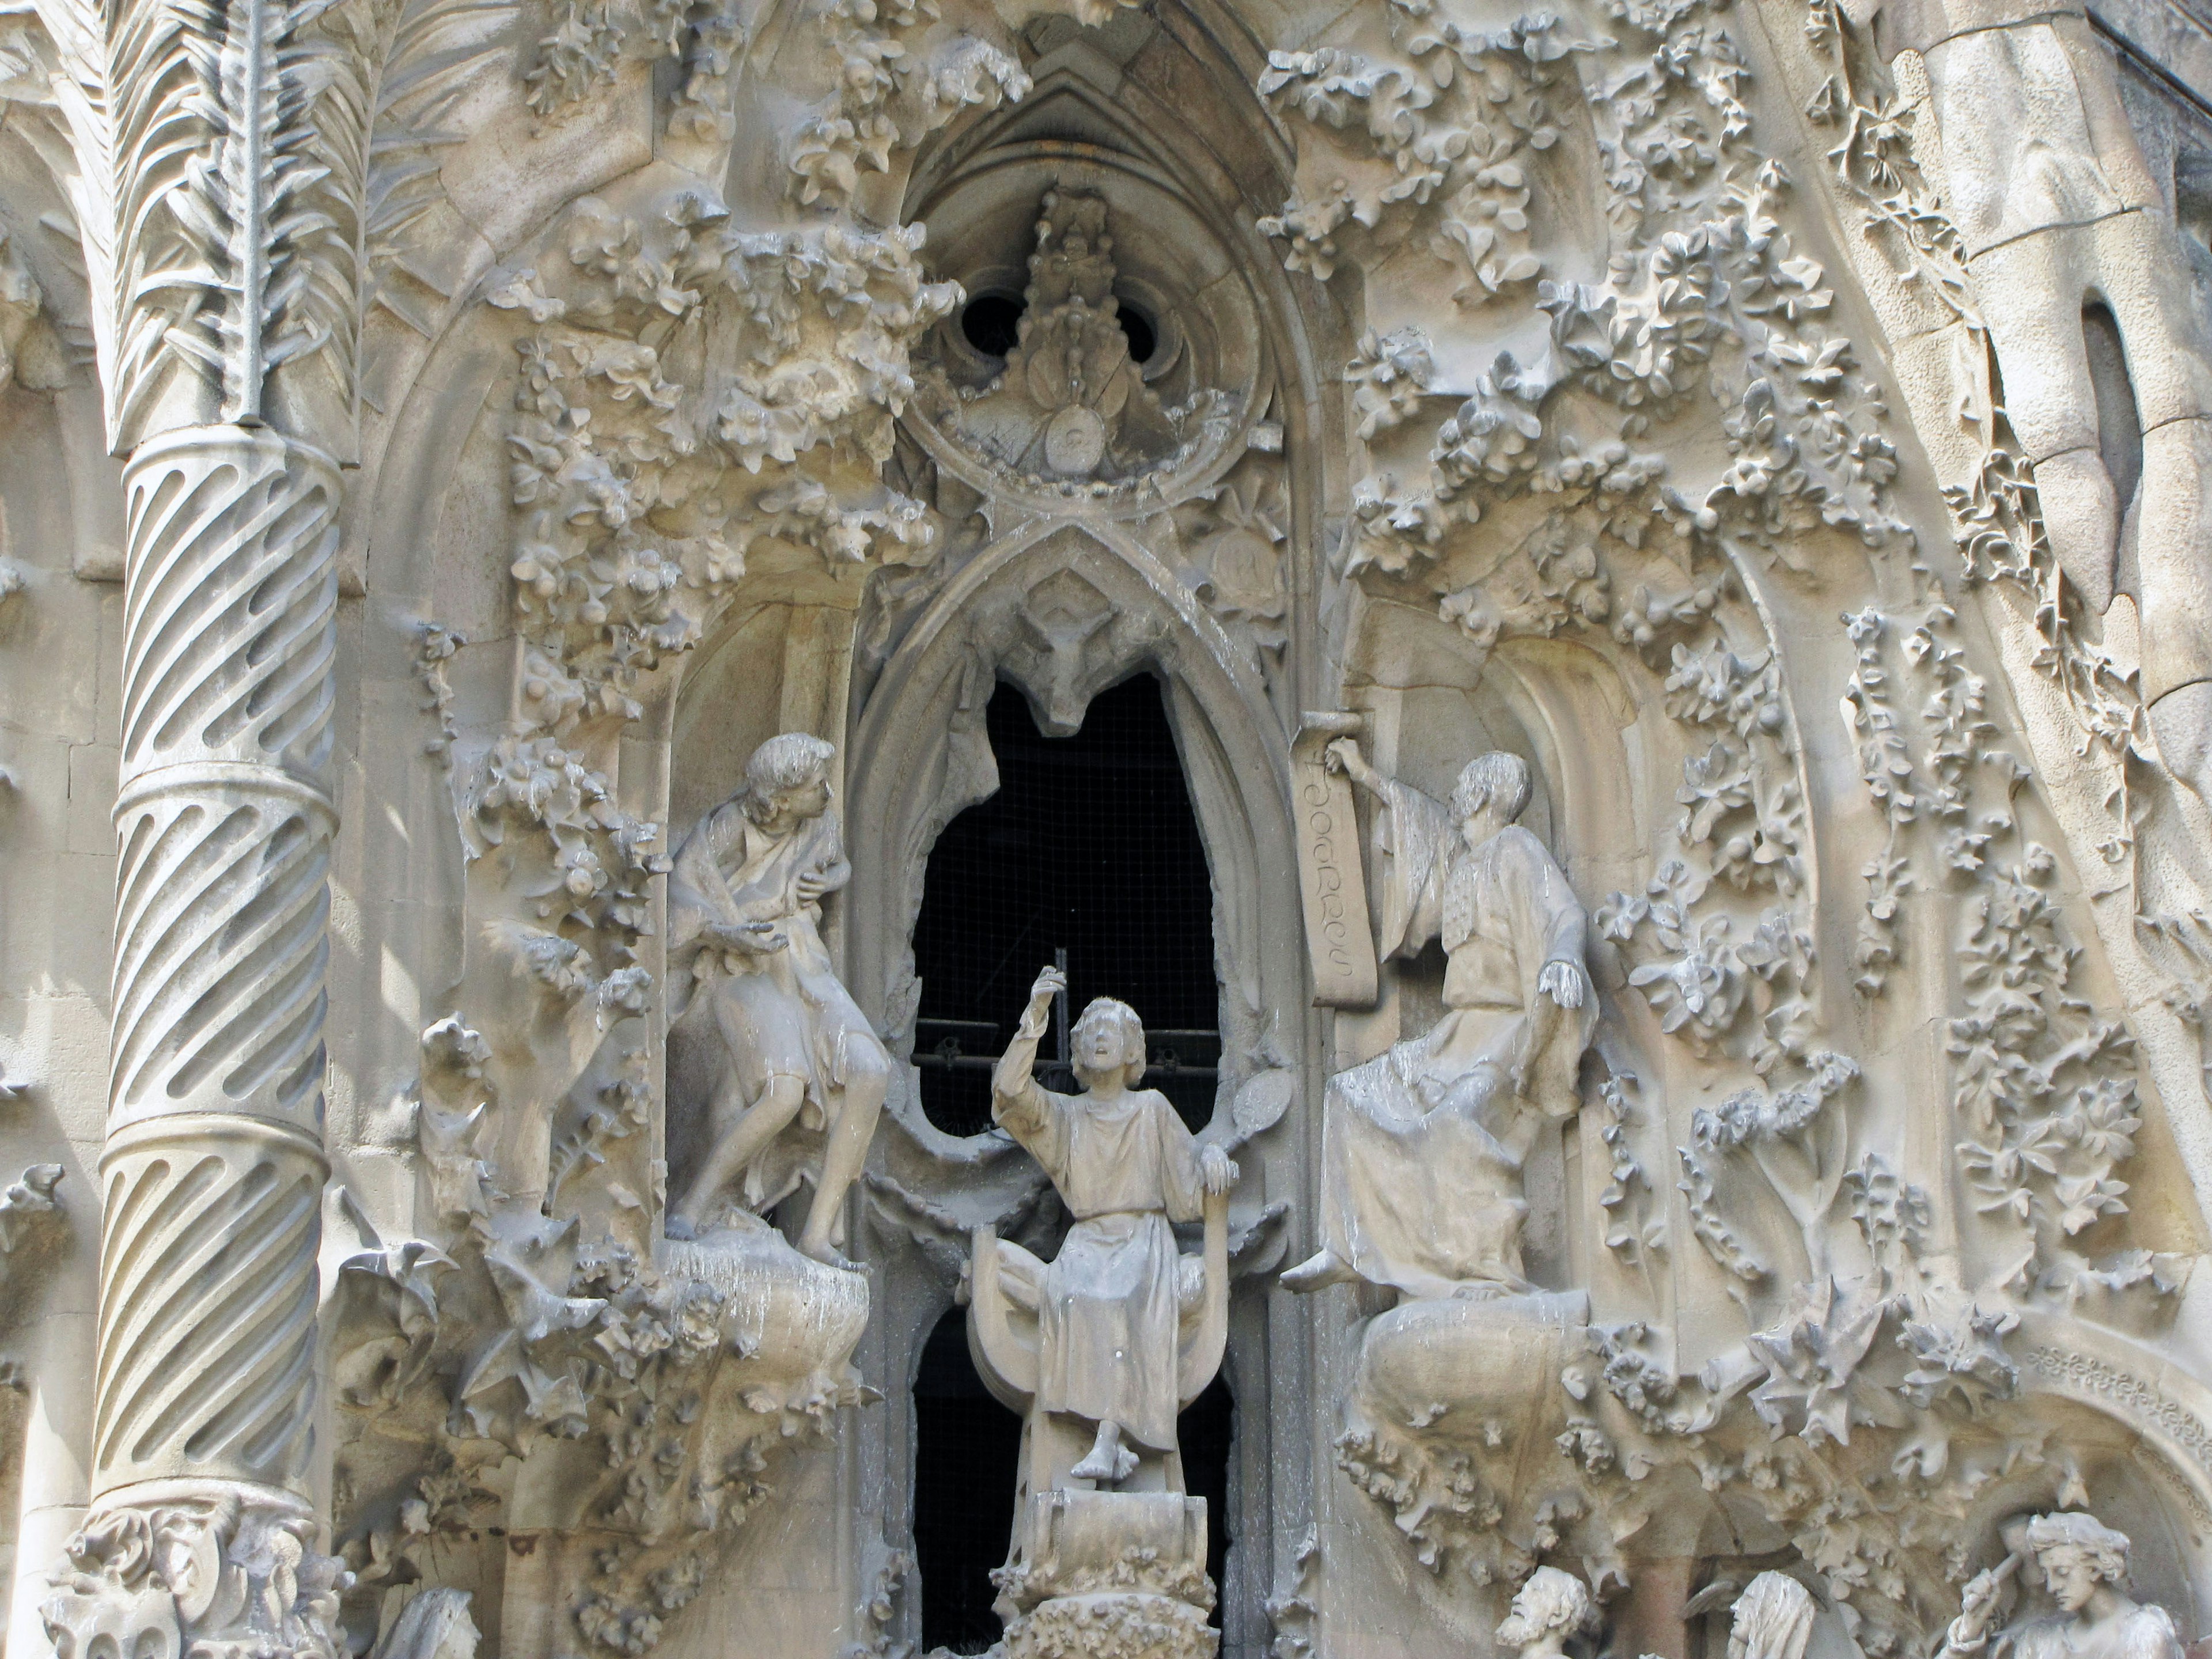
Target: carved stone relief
1669	539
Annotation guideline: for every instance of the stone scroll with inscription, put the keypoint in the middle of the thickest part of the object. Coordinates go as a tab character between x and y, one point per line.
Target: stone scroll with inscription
1339	940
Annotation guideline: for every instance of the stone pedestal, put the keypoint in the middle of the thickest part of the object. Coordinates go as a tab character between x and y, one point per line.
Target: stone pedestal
1109	1575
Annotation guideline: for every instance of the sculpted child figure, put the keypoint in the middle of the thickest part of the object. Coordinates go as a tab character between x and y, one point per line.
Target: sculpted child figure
1111	1305
744	904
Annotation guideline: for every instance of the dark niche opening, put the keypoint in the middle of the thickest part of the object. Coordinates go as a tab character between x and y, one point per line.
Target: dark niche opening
993	322
967	1459
1204	1434
1090	853
1144	338
2120	422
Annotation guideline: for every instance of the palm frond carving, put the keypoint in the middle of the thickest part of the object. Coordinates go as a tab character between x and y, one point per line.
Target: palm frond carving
237	170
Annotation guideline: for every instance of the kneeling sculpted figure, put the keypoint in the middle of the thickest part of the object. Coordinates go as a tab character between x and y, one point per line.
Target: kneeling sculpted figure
2084	1563
1111	1306
1422	1147
745	903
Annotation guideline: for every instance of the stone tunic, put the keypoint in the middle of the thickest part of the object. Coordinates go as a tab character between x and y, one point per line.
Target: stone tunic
2144	1632
780	1013
1421	1151
1111	1307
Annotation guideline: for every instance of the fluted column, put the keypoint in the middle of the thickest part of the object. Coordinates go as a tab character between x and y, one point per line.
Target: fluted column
222	151
205	1386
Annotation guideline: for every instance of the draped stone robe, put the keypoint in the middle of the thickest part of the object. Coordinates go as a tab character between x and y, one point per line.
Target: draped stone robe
1109	1307
1422	1146
779	1012
2144	1632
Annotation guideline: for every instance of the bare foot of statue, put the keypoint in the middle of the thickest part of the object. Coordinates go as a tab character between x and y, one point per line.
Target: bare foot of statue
1317	1272
1109	1461
680	1226
822	1250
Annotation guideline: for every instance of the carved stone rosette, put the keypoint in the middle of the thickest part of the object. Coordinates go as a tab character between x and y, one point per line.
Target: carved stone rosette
214	1165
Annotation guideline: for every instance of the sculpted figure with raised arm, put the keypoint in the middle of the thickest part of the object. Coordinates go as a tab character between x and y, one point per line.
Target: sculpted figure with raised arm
1423	1147
1111	1306
2084	1565
744	904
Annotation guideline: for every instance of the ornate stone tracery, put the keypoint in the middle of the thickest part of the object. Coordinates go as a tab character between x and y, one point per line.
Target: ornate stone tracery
1770	433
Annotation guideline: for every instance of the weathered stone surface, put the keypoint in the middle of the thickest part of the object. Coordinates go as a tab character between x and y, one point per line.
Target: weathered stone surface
577	471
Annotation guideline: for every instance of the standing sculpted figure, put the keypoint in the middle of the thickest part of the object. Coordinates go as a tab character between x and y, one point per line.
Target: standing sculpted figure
2084	1563
744	904
1111	1305
1422	1147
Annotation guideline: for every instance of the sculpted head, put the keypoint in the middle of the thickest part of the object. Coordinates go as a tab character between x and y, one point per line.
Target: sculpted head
1494	787
789	775
1108	1041
1547	1609
2077	1554
1773	1619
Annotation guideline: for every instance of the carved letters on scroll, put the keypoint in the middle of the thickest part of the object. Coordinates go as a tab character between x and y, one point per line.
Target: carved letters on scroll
1339	940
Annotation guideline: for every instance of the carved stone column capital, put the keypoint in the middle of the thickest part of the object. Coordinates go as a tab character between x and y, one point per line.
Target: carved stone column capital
170	1566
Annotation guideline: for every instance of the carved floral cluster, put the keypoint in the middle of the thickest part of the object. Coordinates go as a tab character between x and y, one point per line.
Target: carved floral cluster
510	1331
1449	134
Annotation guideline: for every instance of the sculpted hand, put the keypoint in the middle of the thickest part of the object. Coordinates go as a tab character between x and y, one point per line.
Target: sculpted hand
1049	984
1562	982
751	935
1217	1169
1978	1607
810	887
1342	757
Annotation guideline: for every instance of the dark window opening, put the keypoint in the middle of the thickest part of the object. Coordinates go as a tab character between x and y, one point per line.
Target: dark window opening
992	322
1204	1434
1090	853
967	1459
1144	338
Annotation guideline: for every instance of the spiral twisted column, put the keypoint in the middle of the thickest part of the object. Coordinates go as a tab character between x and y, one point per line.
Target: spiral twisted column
212	1174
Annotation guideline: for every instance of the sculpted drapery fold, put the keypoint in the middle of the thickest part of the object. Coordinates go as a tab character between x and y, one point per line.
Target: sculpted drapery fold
1730	1160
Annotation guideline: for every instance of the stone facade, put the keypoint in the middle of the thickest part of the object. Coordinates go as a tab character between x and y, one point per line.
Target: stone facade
1675	542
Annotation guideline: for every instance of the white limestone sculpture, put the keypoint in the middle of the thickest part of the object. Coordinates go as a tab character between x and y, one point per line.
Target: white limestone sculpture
1548	1609
1423	1147
1071	403
745	907
1773	1619
2056	205
2084	1565
1109	1307
1127	1331
435	1624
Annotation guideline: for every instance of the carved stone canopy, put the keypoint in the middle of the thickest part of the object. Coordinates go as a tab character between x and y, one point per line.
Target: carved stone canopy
1134	373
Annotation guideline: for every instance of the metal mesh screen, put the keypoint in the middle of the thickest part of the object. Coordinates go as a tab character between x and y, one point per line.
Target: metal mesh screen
1088	849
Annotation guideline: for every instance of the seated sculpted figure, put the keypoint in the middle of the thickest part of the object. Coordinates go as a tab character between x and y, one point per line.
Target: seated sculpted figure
2084	1564
745	903
1422	1146
1111	1305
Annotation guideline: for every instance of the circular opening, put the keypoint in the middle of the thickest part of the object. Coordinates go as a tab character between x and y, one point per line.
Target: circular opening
992	322
1143	338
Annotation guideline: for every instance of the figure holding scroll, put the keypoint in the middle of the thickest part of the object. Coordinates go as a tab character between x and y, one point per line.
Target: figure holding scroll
1423	1147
